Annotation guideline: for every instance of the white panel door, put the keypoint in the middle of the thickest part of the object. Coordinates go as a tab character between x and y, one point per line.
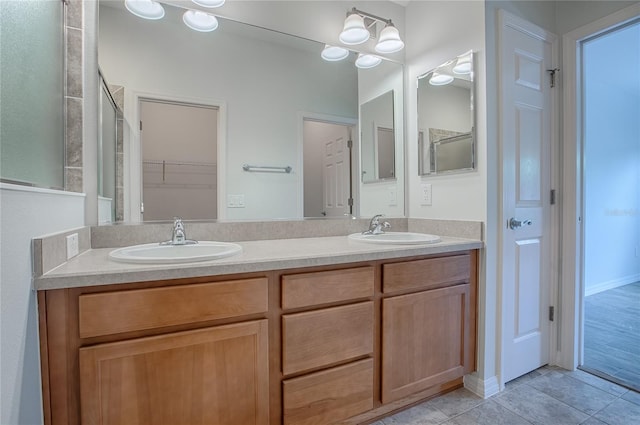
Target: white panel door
526	134
335	174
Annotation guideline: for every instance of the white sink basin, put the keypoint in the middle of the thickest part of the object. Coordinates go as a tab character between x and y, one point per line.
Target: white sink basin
154	253
396	238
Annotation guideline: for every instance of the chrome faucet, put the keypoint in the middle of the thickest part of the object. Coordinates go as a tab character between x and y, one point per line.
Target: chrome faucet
178	234
375	226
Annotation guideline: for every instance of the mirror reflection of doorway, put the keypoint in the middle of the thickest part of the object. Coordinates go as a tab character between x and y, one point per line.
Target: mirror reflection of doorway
179	160
327	162
611	210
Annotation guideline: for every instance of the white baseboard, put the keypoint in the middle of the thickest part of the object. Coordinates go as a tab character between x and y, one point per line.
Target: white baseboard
483	388
610	284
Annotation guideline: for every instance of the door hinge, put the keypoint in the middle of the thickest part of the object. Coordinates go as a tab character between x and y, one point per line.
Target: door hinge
551	313
552	197
350	202
140	125
350	144
552	74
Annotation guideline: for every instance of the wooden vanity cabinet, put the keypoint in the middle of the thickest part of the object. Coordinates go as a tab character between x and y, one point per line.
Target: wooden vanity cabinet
428	336
327	349
344	344
183	352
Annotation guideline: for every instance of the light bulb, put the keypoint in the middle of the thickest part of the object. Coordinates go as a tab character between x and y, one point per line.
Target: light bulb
200	21
334	53
354	31
146	9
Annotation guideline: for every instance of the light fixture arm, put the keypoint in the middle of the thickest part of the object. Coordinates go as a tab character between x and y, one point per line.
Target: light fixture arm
369	15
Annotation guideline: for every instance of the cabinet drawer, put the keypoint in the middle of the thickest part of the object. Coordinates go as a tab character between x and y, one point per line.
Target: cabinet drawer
426	274
308	289
133	310
323	337
330	395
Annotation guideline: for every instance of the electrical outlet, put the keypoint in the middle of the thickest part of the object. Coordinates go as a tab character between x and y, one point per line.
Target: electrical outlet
637	251
235	201
425	195
393	197
72	245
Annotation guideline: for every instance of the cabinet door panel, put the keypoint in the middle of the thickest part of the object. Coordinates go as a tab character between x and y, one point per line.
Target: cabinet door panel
329	396
324	337
215	375
425	340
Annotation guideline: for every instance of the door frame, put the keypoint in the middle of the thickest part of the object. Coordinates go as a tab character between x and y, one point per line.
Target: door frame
570	353
507	19
329	119
133	182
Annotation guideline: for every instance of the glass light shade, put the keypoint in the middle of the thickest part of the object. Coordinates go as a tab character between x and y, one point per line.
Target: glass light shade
209	3
146	9
367	61
438	79
354	31
389	40
334	53
200	21
463	65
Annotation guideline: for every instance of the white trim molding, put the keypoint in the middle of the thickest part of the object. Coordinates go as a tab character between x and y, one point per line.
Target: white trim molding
611	284
484	388
570	312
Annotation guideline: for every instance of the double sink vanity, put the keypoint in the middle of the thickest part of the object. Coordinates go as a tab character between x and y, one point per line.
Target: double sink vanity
314	327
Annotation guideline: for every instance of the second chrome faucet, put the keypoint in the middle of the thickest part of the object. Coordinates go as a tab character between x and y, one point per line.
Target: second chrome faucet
178	234
376	226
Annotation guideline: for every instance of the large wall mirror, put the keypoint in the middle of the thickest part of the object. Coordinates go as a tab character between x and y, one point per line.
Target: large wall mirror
273	96
446	139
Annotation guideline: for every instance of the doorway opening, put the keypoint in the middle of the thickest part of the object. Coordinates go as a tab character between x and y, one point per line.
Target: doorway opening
179	160
611	204
327	163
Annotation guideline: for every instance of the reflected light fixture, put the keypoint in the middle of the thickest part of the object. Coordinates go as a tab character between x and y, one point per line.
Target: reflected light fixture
438	79
200	21
354	30
389	40
146	9
209	3
334	53
365	61
463	65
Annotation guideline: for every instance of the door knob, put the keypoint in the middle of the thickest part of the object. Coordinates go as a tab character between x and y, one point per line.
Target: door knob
516	224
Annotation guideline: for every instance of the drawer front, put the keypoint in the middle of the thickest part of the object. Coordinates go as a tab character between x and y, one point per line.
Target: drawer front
323	337
426	274
308	289
134	310
330	395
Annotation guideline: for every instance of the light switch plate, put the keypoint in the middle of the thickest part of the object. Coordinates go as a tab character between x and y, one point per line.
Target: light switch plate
235	201
393	197
73	247
425	195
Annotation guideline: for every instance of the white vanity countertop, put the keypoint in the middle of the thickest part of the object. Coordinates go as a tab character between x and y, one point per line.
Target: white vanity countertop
93	267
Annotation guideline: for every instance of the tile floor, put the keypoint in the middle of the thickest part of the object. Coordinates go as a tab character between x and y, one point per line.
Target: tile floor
547	396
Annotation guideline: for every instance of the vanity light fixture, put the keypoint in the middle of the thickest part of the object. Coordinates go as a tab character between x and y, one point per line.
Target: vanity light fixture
438	79
200	21
357	28
334	53
209	3
463	65
146	9
365	61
